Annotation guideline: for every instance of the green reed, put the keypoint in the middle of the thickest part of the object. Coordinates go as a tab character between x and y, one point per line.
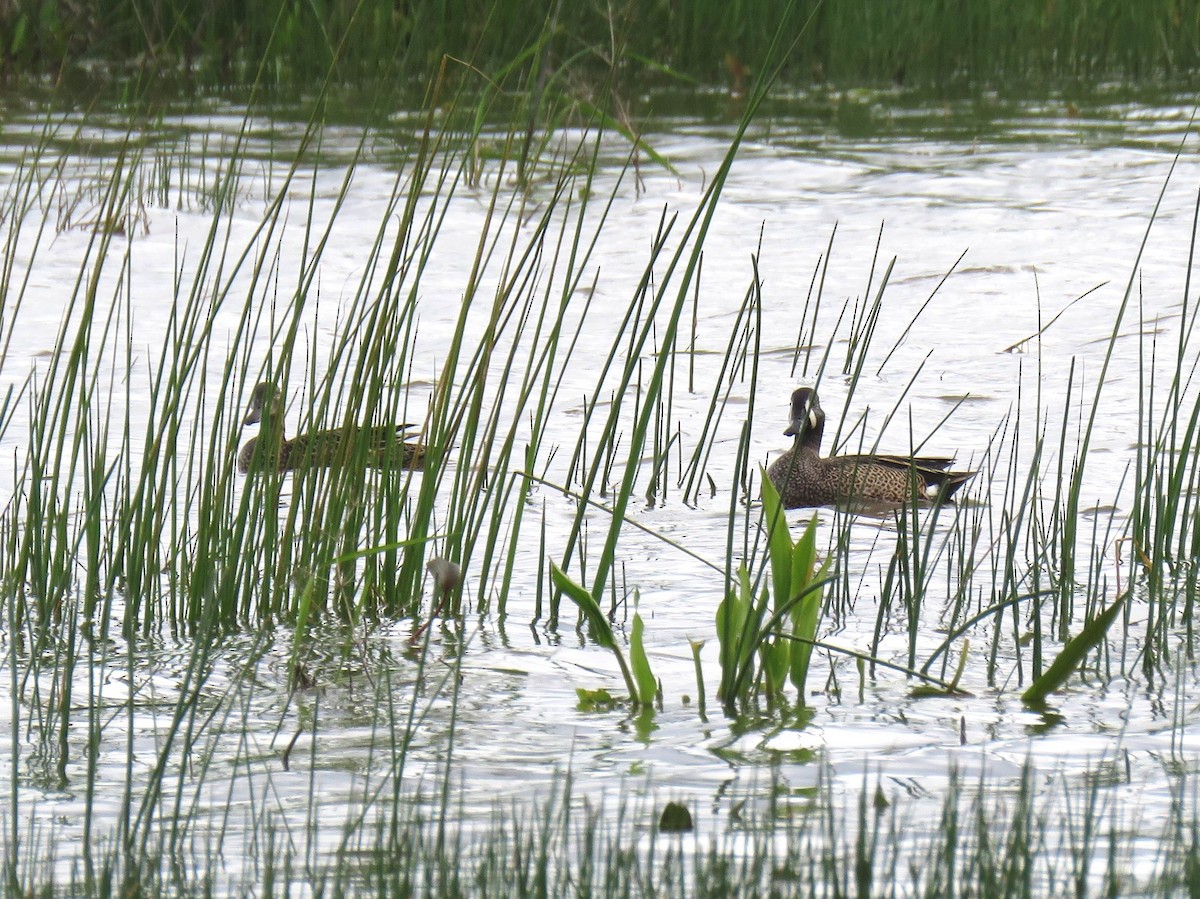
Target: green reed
116	536
372	45
328	521
1163	537
164	528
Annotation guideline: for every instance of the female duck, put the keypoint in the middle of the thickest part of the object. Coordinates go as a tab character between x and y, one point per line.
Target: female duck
804	478
385	447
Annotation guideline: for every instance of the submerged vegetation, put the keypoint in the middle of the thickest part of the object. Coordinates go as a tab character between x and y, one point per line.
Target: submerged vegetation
188	653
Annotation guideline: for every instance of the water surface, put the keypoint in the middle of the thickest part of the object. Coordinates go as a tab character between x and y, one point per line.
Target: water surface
1020	214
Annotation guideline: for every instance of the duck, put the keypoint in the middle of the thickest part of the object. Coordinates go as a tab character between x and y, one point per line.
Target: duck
804	478
386	446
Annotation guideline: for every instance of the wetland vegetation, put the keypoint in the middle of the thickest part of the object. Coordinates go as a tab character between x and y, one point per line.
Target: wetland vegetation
362	678
373	46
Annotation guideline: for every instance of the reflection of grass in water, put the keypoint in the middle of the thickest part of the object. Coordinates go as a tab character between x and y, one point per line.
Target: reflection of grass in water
984	836
150	531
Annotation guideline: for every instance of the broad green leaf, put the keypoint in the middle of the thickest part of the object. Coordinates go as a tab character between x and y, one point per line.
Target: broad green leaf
729	615
805	619
1073	654
737	633
779	539
775	653
595	700
732	615
601	629
805	629
804	557
647	686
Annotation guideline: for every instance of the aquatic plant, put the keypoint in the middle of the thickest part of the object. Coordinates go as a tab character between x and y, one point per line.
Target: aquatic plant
307	601
373	45
769	638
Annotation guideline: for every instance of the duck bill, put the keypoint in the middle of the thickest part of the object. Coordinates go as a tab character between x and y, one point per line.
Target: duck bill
801	424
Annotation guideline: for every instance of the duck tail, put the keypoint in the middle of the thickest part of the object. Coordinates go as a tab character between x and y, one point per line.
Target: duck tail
946	482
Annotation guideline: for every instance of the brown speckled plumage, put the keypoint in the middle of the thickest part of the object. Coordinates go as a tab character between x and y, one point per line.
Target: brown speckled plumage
385	445
804	478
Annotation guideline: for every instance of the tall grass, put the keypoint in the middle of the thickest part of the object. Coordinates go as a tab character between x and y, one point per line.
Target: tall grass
123	526
126	524
373	45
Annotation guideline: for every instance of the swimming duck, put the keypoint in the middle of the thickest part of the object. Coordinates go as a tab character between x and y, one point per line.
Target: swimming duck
804	478
386	447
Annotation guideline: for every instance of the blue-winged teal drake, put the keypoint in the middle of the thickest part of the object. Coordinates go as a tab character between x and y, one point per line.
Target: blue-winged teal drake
386	447
803	478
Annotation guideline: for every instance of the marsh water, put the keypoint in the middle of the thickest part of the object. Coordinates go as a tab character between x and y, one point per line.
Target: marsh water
1021	209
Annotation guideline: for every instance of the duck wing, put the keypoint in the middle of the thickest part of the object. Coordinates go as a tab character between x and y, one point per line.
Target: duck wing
934	470
923	464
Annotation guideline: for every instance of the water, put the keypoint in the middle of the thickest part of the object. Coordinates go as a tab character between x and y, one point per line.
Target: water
1042	208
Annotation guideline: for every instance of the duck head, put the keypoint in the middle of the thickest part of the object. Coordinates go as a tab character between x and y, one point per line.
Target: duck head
807	419
264	397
